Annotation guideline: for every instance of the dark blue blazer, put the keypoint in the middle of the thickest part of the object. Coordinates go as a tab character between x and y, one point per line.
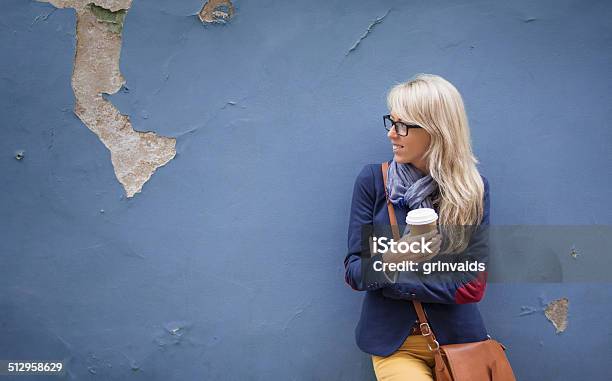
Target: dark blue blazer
387	313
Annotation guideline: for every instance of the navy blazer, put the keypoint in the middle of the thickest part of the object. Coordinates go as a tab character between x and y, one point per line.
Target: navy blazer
387	313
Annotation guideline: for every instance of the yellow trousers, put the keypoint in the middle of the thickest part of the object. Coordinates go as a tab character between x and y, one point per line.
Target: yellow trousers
413	361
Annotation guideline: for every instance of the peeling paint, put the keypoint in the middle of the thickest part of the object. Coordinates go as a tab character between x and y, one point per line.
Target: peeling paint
173	333
367	32
556	312
43	17
528	310
111	5
135	155
574	252
216	12
114	19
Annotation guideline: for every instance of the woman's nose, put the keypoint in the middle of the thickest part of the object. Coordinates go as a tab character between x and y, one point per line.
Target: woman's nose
391	134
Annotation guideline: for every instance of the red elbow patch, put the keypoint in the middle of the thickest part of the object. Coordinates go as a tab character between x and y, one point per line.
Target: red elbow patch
472	291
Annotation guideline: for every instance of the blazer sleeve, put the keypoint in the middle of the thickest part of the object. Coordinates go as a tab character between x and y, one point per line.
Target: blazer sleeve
361	214
434	288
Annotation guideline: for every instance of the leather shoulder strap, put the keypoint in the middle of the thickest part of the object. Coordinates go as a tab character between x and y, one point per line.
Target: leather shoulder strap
392	218
396	236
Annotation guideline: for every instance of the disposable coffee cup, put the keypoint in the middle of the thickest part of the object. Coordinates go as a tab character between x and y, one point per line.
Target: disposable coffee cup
422	220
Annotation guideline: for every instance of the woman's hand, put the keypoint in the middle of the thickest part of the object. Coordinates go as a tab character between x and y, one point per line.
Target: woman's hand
423	253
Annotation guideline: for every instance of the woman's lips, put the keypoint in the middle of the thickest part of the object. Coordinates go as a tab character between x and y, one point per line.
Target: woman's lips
397	147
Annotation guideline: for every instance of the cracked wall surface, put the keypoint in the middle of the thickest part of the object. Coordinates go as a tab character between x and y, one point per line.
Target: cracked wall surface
367	32
273	121
135	155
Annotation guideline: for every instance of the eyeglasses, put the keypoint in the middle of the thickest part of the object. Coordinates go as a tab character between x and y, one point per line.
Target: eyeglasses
400	128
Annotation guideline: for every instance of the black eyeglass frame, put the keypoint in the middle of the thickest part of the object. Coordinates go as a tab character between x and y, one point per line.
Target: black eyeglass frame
396	124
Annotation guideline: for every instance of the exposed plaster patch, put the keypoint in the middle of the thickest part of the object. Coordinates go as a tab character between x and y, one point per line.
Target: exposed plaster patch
367	32
556	312
216	11
135	155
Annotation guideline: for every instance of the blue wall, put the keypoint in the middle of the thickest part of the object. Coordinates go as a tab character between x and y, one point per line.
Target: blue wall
183	281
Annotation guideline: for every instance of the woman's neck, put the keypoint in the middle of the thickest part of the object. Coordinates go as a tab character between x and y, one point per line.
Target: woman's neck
421	165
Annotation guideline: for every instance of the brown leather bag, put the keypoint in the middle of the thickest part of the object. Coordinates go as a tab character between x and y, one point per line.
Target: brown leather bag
478	361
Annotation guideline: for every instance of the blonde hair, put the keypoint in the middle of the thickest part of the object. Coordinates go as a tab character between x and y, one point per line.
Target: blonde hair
436	105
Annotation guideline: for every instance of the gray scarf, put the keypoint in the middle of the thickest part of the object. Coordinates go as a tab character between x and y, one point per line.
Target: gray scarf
409	188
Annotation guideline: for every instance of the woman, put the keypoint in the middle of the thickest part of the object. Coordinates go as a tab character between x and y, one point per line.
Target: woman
433	166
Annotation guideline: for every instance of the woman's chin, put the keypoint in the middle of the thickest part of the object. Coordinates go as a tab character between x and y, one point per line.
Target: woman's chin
399	158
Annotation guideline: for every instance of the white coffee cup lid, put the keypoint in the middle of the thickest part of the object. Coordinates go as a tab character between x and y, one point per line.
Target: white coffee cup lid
421	216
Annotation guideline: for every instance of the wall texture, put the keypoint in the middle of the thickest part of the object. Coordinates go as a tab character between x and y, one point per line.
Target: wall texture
176	188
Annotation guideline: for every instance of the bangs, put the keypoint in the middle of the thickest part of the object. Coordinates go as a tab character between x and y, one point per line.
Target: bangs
400	102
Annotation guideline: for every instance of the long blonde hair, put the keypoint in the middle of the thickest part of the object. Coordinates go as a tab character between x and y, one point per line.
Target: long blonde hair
436	105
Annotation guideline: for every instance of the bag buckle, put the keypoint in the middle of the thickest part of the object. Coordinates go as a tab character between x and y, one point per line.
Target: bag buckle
423	331
436	348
